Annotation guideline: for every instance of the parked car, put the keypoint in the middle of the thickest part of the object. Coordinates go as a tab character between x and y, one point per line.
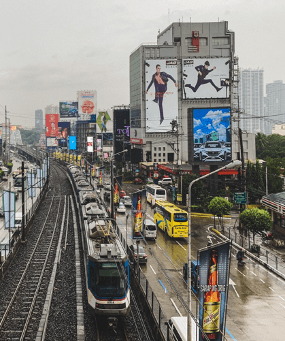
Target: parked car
122	194
142	254
149	181
127	201
165	181
121	208
83	183
137	181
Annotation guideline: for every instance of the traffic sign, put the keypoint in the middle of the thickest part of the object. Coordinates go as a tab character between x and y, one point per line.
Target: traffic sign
240	198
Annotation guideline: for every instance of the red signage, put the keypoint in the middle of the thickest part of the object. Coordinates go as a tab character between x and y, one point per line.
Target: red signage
52	125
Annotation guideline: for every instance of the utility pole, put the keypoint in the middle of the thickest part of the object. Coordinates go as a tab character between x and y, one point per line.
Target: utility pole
23	203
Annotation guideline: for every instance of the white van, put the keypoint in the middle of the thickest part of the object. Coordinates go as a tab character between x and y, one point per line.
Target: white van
18	220
165	181
149	229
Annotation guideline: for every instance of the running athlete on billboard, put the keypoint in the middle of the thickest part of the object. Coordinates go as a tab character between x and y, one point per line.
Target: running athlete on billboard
160	80
203	71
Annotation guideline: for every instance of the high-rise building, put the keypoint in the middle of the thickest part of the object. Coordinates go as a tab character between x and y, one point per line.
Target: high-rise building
251	100
39	119
51	109
183	94
275	104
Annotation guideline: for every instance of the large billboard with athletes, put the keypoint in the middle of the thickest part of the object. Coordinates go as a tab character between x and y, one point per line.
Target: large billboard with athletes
161	94
205	78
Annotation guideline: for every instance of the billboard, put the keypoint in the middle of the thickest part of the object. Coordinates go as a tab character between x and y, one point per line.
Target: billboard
161	94
52	125
51	142
138	211
87	102
72	142
212	134
89	144
68	109
104	121
121	117
213	287
9	204
63	133
205	78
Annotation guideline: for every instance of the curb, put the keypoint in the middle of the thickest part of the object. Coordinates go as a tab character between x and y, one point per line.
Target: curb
252	256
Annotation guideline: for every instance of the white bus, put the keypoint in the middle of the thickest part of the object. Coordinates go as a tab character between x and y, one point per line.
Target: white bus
155	192
178	328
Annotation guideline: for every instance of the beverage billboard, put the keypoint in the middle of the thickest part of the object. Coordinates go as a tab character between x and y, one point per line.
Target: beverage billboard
212	134
63	133
213	287
161	94
205	78
87	102
68	109
138	211
52	125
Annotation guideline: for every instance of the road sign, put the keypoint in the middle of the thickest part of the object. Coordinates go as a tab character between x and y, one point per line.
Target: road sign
240	198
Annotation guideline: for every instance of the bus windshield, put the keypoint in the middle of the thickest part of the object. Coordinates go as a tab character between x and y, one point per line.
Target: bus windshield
180	217
160	192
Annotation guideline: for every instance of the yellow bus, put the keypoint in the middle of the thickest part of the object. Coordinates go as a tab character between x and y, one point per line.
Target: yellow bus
171	219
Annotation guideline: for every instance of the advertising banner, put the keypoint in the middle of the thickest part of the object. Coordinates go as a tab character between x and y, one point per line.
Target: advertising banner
116	190
90	144
68	109
161	94
9	208
206	78
63	133
99	145
104	121
51	142
87	102
138	211
31	185
40	177
52	125
213	274
212	134
101	181
72	142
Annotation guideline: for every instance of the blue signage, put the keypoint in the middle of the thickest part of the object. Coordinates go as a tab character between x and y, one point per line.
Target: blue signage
72	142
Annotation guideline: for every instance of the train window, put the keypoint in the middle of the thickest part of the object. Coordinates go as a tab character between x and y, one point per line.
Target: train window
92	277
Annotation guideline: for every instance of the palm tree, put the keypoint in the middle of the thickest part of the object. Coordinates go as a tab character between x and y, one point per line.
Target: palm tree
261	143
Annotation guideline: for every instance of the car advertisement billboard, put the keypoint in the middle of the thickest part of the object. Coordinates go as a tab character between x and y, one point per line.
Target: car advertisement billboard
212	134
138	211
63	133
205	78
68	109
87	102
161	94
213	286
52	125
72	142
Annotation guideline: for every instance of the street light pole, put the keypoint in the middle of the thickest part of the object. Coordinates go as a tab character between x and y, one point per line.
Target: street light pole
233	164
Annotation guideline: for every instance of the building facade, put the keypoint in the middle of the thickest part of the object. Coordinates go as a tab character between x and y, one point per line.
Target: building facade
39	119
183	95
251	101
275	104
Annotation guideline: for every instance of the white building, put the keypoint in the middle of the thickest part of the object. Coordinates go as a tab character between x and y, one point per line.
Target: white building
275	105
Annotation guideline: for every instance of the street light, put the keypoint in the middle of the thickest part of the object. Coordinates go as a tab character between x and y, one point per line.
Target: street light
233	164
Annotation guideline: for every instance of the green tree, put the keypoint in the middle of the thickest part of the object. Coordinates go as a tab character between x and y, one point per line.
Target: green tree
219	207
255	181
256	221
30	137
261	143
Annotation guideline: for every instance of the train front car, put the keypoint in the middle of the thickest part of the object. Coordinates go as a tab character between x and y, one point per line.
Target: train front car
108	271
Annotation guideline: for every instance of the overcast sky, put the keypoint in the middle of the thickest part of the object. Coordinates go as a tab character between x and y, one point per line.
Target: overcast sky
50	49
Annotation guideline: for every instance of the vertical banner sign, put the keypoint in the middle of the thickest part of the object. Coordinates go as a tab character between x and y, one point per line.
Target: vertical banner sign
116	191
9	208
138	209
213	272
89	144
82	163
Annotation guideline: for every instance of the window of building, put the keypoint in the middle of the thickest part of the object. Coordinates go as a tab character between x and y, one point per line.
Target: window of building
220	41
159	154
154	160
163	160
159	148
159	160
163	148
202	41
163	154
154	148
154	154
147	53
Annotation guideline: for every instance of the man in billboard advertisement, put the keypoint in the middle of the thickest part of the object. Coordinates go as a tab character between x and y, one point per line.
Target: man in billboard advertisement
205	78
102	119
213	286
161	103
63	133
52	125
212	134
68	109
87	102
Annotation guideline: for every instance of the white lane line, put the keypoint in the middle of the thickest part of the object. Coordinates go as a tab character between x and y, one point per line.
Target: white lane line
253	273
181	273
282	305
181	245
150	217
235	290
240	272
233	255
175	307
262	280
282	298
152	269
271	289
247	267
159	246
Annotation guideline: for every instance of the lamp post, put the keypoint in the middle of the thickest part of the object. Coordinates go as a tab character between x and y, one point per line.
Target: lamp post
236	163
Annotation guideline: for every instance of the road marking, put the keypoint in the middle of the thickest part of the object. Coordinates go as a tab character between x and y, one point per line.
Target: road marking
240	272
235	291
282	298
253	273
175	307
271	289
159	246
262	280
230	334
165	290
167	256
181	245
248	268
233	255
231	282
151	218
181	273
152	269
282	305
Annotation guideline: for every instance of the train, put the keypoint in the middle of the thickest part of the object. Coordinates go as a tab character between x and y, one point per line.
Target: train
107	272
